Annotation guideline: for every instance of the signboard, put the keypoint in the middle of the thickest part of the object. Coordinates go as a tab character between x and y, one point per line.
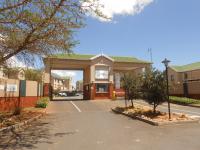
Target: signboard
11	88
101	74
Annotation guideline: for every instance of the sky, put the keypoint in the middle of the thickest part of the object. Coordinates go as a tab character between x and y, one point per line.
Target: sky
170	28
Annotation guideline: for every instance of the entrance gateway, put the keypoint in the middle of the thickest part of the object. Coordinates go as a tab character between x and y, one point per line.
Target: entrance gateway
101	73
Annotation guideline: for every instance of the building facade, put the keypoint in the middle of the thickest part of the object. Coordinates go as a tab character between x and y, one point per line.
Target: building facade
12	73
101	73
61	83
185	80
79	86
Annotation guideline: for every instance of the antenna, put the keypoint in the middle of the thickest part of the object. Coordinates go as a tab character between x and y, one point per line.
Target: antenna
150	52
101	52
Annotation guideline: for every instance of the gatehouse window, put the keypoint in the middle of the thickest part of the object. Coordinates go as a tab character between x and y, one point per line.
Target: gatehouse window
101	74
101	88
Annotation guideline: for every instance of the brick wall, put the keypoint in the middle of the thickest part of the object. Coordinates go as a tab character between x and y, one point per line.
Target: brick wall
21	93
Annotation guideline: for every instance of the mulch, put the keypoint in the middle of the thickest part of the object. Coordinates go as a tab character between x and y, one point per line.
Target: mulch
8	119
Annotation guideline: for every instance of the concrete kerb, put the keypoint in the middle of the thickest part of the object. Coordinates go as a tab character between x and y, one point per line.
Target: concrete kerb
21	124
154	122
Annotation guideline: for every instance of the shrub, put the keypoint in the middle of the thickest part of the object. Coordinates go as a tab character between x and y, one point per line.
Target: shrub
42	102
154	88
131	85
184	100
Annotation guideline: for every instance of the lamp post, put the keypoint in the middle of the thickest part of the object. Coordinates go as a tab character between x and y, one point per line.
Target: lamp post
166	63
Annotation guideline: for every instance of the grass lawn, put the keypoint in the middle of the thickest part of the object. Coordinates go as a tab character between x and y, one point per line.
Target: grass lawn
184	100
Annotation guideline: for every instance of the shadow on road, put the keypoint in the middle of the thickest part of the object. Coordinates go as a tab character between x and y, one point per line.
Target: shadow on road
29	137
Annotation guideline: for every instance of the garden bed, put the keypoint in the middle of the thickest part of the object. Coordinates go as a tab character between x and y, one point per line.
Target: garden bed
10	120
145	113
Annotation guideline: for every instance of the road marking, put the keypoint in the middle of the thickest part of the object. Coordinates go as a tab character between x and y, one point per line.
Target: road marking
75	106
165	107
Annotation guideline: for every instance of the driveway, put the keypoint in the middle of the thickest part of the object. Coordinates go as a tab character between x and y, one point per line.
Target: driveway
89	125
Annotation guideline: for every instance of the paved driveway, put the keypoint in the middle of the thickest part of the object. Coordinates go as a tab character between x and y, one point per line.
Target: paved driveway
89	125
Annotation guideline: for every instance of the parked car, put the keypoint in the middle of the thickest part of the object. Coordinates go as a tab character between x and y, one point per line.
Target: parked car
62	94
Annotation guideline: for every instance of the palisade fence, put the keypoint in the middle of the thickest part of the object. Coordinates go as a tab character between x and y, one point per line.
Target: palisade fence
189	88
13	92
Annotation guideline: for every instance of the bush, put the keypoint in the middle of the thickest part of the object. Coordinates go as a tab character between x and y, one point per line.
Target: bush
42	102
154	88
184	100
131	85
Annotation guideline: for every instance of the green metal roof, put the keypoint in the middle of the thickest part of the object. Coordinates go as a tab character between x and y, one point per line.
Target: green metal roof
88	57
184	68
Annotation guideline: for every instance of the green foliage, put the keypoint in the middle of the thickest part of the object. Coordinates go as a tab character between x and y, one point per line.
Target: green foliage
42	103
41	27
184	100
154	87
33	75
131	85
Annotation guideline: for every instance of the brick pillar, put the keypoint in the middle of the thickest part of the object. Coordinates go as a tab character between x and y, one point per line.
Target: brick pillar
46	91
92	91
111	88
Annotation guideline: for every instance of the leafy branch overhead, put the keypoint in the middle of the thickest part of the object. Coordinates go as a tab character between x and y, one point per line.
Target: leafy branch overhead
41	27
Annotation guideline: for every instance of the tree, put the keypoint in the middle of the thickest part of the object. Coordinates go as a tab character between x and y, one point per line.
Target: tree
33	75
41	27
10	72
154	88
131	85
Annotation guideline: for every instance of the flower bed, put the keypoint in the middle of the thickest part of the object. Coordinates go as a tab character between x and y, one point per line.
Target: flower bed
145	113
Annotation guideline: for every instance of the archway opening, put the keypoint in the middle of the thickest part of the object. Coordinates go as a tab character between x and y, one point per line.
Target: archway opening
67	85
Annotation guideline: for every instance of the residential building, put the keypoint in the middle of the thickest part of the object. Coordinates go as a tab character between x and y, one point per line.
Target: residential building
12	73
79	85
61	83
185	80
101	73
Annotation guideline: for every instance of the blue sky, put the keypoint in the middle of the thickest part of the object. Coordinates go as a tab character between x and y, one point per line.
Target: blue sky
171	28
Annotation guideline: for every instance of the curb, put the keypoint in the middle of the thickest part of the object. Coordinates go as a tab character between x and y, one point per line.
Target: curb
154	122
21	124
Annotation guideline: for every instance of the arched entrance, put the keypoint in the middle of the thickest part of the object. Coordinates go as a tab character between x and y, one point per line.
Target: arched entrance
100	72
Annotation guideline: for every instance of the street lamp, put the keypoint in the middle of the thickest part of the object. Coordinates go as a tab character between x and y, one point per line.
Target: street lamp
166	63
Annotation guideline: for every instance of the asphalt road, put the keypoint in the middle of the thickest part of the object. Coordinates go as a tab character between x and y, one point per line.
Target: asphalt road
89	125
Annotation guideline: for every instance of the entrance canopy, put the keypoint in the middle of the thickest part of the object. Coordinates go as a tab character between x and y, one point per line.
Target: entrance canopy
98	70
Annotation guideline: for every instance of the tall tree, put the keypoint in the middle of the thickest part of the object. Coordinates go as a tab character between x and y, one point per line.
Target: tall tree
41	27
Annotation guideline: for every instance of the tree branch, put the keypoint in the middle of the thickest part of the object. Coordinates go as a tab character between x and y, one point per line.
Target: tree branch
14	6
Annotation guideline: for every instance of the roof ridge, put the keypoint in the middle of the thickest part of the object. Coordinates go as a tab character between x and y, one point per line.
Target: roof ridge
89	56
187	67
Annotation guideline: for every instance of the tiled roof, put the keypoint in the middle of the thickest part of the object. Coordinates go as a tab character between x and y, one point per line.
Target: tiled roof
188	67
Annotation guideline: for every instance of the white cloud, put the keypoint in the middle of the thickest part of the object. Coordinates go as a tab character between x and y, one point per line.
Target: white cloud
64	73
121	7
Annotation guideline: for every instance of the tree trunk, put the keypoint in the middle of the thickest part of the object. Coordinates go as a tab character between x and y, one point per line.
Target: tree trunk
154	108
125	102
132	103
125	99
